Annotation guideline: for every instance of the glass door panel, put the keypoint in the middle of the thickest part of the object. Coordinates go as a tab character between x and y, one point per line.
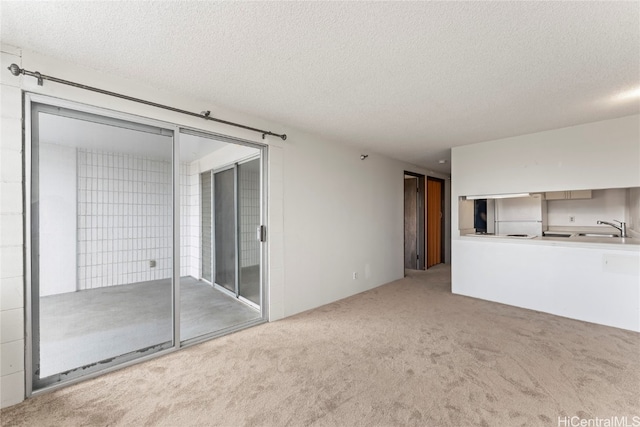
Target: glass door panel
101	242
249	220
209	234
206	226
209	300
224	202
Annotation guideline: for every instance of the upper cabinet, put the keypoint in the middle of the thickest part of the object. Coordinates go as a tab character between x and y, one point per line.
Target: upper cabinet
564	195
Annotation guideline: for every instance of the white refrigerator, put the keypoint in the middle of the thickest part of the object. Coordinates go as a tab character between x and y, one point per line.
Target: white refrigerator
520	215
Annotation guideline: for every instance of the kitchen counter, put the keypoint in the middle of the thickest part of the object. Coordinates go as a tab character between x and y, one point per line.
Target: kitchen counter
619	243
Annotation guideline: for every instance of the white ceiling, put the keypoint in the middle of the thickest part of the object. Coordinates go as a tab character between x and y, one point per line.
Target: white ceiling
405	79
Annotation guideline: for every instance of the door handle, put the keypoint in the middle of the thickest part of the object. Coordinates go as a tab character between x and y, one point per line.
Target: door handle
261	233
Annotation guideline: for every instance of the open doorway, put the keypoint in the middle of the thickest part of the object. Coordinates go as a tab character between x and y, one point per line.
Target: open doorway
414	196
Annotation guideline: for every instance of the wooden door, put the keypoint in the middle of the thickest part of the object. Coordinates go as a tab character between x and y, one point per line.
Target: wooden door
435	221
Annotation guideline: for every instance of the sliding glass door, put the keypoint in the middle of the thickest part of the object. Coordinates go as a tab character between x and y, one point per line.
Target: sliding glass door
142	238
101	242
237	218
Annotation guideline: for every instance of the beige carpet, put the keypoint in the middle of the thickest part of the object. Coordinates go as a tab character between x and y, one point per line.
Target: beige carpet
407	353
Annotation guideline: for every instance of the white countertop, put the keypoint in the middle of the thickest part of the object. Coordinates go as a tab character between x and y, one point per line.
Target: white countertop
627	243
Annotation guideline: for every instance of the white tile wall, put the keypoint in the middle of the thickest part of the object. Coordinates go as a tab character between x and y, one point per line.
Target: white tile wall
11	229
190	220
12	357
11	245
11	197
11	134
124	219
249	204
11	96
12	293
10	164
12	327
12	389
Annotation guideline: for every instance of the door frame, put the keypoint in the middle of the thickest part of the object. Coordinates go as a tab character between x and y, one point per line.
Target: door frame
420	218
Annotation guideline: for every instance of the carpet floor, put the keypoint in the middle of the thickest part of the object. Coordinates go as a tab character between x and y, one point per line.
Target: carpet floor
406	353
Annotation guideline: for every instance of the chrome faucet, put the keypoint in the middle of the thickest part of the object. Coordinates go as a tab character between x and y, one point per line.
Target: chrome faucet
622	229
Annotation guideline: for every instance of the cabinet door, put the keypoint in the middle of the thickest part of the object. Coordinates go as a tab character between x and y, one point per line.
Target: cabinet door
580	194
555	195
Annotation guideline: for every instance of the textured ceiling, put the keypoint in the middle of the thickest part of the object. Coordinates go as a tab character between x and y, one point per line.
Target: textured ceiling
406	79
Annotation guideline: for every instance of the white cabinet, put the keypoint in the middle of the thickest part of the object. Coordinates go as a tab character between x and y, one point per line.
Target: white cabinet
565	195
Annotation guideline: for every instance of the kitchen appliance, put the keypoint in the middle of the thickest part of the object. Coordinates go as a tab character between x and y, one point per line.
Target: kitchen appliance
520	215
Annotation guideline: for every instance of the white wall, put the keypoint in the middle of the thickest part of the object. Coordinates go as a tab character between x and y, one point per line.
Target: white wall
225	156
11	235
342	215
58	219
598	155
330	214
604	205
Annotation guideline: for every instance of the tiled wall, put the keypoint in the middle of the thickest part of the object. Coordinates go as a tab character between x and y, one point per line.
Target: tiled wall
249	205
124	219
11	237
189	220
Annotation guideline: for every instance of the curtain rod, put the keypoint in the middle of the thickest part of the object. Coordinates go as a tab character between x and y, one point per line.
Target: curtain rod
16	71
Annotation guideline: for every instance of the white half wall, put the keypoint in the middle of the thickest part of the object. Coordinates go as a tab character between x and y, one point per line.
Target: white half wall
598	285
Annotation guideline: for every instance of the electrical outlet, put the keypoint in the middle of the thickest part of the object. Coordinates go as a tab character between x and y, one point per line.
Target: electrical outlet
152	263
355	275
572	218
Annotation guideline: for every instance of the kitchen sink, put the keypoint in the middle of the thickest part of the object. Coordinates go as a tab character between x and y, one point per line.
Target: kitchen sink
597	235
552	234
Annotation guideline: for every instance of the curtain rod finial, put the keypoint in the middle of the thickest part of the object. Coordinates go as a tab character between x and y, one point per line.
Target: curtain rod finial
15	70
